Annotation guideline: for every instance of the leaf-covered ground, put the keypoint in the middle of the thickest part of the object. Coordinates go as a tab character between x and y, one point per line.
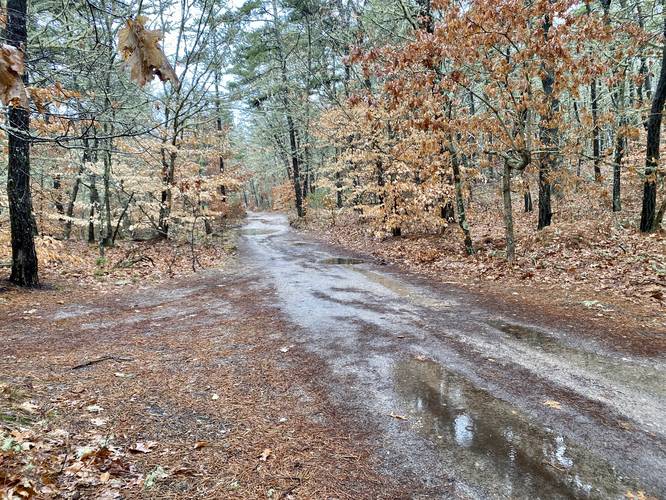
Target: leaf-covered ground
180	390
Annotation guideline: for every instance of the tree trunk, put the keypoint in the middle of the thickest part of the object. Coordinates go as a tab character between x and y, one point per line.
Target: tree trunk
24	255
295	167
596	139
620	147
528	200
338	189
218	112
106	180
460	201
549	135
57	187
660	215
72	201
652	151
168	171
508	213
94	202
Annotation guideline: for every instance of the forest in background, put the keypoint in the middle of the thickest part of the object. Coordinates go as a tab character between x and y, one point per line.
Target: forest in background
478	124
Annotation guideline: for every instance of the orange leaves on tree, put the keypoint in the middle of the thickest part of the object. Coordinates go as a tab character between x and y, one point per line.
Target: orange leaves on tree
12	90
141	51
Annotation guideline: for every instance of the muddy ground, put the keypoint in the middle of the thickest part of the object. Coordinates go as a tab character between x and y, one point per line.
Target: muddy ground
300	371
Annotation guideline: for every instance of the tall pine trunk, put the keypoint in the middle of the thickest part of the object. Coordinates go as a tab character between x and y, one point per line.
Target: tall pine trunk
648	213
24	256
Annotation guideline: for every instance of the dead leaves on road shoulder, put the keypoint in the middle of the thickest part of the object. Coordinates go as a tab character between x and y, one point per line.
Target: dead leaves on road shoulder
140	49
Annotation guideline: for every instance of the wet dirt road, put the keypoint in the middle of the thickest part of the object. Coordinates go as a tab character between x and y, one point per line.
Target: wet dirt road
464	400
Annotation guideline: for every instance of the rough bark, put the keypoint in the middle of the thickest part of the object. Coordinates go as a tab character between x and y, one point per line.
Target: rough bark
508	213
648	212
24	257
94	204
549	136
460	200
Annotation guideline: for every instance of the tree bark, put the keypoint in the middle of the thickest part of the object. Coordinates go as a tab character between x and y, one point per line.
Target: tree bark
94	204
648	212
460	201
549	135
620	148
24	256
596	139
508	213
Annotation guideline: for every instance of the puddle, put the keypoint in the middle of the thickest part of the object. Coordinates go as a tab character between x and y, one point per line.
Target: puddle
257	232
631	374
410	293
341	261
489	443
524	333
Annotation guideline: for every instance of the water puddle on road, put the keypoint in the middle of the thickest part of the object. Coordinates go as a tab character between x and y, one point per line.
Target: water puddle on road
410	293
596	364
341	261
487	442
529	335
257	232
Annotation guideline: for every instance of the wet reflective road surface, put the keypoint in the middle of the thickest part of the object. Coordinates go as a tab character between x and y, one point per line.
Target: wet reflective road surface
471	403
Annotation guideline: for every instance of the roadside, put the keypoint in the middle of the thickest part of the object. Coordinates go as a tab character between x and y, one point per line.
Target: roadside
609	287
169	391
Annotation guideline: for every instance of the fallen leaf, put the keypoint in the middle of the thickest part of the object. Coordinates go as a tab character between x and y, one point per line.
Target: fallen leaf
553	404
104	477
200	444
265	454
146	447
28	406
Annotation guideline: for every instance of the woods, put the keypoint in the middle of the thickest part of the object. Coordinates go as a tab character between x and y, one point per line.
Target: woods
332	249
96	149
401	112
410	98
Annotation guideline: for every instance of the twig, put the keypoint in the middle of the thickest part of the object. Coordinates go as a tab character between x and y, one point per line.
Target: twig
99	360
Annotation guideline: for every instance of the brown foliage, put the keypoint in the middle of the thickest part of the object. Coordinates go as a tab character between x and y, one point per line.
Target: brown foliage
12	90
141	50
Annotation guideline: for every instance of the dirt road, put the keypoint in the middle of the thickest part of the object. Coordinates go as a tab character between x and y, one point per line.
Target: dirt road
444	397
496	405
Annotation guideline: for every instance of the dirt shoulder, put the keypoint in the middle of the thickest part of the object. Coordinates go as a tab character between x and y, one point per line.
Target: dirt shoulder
610	287
187	389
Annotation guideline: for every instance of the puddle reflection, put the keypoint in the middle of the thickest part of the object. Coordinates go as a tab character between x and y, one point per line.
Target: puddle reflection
488	443
341	261
258	232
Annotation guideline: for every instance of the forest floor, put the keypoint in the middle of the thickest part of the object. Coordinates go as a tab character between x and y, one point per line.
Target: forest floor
122	381
280	371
